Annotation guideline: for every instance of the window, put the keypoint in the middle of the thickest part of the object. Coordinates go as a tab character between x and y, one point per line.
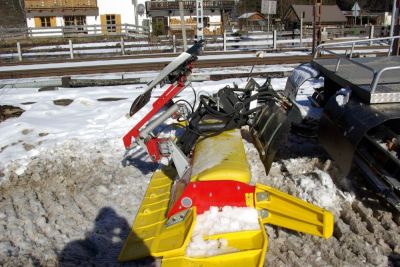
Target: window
80	20
69	21
111	21
77	21
45	22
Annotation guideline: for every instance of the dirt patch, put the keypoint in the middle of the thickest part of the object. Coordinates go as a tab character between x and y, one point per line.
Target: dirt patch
7	111
63	102
109	99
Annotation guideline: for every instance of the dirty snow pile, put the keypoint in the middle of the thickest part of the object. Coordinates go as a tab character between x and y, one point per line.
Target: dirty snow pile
219	221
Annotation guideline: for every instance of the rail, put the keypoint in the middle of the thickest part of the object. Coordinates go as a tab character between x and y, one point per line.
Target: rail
376	74
56	47
74	30
189	5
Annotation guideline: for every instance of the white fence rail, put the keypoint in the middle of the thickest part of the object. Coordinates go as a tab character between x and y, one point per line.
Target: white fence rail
145	44
74	31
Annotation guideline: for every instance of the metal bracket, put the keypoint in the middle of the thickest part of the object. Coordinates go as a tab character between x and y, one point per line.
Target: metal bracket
180	160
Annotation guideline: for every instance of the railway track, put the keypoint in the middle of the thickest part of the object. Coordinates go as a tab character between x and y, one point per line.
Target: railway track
111	66
142	63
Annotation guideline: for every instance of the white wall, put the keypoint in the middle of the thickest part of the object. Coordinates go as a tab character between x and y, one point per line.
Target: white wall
30	22
124	8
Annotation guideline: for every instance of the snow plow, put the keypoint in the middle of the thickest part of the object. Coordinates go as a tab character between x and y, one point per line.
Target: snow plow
201	207
360	122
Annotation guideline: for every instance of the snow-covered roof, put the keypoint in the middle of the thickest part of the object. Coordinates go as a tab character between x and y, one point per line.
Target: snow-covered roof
247	15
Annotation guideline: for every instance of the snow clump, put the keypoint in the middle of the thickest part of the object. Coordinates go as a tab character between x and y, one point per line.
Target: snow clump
217	221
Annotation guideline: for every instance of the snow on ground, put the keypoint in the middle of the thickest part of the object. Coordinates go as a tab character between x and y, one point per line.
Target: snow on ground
69	191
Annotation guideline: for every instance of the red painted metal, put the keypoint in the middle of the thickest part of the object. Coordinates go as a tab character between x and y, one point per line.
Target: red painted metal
170	93
205	194
152	148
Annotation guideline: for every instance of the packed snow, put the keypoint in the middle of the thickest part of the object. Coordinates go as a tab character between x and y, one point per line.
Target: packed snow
219	221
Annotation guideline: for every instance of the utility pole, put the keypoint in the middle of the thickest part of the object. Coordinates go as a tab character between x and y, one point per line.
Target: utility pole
301	27
269	10
317	24
394	16
200	22
394	30
183	25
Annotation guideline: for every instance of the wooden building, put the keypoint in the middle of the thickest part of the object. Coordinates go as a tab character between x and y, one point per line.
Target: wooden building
11	14
77	14
252	21
165	16
331	15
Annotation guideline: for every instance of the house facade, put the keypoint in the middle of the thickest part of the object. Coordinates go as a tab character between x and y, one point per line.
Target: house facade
165	16
80	15
331	15
252	21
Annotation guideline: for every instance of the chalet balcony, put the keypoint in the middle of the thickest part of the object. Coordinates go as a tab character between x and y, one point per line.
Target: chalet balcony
43	8
31	5
171	8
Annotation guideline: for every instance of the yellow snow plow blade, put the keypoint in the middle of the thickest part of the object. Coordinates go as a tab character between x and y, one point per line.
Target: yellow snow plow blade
221	157
281	209
152	234
248	249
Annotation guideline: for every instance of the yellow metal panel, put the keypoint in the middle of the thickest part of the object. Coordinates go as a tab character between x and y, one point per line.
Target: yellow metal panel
284	210
251	248
243	258
221	157
150	234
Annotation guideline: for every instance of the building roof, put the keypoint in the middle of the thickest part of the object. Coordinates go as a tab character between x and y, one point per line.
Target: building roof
252	16
329	14
247	15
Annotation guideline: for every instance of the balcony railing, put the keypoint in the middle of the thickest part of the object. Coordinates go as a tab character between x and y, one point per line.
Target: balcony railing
190	5
57	4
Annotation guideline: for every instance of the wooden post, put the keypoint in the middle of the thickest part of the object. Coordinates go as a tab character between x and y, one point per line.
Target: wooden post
71	49
224	40
122	46
371	33
19	51
183	25
274	39
174	42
